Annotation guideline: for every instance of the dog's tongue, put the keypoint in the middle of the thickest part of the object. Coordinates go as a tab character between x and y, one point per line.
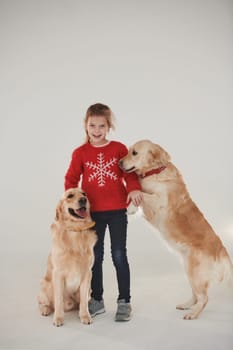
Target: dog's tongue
81	212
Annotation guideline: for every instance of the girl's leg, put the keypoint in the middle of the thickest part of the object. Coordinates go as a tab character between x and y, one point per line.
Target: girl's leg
97	269
118	232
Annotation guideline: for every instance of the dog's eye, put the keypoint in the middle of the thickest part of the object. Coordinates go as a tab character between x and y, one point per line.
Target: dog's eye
134	153
84	194
70	195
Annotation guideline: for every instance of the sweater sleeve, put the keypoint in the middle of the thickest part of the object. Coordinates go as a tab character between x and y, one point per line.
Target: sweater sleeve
74	171
132	182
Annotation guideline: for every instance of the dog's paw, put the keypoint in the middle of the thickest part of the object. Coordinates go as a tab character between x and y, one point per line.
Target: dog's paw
190	316
45	310
86	319
131	209
58	321
183	307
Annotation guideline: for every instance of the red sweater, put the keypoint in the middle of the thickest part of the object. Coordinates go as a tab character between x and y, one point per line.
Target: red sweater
105	184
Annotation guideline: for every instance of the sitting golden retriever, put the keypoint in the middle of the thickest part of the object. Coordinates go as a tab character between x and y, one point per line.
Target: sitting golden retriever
66	284
168	207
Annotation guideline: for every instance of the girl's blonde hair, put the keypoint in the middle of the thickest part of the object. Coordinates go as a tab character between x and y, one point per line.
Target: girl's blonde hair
99	109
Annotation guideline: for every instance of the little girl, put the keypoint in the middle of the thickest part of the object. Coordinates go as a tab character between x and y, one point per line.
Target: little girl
95	165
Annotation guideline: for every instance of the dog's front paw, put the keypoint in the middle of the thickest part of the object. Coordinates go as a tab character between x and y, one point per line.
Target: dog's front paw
86	319
58	321
131	209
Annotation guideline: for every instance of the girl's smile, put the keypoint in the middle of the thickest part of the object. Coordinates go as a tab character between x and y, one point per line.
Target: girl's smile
97	129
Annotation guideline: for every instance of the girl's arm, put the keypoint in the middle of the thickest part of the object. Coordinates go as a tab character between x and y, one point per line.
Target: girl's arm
132	184
135	197
133	188
74	172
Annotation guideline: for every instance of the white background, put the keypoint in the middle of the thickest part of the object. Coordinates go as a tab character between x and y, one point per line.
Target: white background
165	69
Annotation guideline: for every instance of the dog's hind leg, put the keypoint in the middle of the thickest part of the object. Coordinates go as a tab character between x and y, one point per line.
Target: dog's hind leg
45	297
70	301
202	299
198	274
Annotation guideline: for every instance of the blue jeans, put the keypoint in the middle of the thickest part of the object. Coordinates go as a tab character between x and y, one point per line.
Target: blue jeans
116	221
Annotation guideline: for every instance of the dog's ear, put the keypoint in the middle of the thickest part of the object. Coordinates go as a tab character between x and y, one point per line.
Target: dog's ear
58	211
160	155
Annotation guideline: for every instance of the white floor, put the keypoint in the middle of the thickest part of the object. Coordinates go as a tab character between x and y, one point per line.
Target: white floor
158	284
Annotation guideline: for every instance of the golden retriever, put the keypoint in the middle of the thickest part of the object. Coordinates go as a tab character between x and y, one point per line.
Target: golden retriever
168	206
66	284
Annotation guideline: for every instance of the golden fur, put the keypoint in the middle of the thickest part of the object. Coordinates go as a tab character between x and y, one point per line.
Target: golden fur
168	207
66	284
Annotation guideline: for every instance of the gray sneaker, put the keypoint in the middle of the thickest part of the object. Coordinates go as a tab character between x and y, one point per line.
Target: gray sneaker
96	307
123	311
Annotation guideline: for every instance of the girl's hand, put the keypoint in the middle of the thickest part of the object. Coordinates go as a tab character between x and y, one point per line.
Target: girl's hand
135	197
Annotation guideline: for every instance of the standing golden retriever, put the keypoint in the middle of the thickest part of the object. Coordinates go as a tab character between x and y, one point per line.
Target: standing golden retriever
66	284
168	207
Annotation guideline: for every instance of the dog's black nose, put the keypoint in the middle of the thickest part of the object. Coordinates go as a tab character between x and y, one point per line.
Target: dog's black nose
82	201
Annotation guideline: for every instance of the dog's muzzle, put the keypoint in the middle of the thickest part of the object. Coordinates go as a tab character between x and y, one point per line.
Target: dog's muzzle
121	165
81	211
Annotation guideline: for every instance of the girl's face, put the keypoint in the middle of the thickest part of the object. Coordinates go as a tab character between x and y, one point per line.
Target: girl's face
97	129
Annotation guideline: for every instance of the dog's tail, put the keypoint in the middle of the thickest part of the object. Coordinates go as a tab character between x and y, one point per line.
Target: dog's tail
226	268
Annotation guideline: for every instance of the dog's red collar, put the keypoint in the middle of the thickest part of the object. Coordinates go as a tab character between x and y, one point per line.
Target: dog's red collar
79	229
153	171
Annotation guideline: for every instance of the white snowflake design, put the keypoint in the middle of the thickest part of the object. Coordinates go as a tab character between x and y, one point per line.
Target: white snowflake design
101	170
